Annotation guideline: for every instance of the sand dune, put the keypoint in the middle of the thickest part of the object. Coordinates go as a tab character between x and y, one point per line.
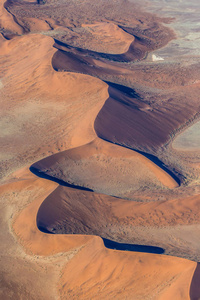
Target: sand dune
25	275
35	25
45	97
58	115
105	168
70	210
112	271
111	36
41	243
107	265
131	118
159	76
136	50
7	21
118	275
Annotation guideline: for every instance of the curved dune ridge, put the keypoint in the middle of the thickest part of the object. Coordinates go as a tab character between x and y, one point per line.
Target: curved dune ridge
112	37
105	169
75	125
7	21
130	118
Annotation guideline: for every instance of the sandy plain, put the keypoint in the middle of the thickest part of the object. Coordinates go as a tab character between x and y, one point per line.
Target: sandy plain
87	129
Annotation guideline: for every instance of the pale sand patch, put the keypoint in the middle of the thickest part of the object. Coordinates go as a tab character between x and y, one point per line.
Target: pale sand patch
189	139
1	84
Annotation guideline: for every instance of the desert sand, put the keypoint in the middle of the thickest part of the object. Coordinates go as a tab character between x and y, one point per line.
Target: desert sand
88	128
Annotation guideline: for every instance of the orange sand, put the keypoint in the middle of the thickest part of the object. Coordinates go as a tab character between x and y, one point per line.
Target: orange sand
53	112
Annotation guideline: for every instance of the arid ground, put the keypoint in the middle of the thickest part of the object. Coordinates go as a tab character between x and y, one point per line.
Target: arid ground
100	149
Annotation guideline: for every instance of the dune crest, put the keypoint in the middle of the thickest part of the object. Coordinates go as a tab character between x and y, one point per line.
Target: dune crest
116	274
113	38
105	168
35	96
7	21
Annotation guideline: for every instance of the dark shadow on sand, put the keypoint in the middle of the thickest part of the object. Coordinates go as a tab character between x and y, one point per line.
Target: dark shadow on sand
121	246
195	284
134	52
124	89
151	157
59	181
133	94
160	164
132	247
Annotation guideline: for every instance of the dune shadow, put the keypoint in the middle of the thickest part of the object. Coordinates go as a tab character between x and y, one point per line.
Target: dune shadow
132	247
124	89
132	93
160	164
110	244
44	230
126	57
126	96
59	181
195	284
152	158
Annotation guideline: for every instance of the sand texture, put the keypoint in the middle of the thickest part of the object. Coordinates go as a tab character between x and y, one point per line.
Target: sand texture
100	162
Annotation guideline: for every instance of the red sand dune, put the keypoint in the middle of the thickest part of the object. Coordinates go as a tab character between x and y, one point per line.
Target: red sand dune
131	119
117	275
7	21
54	112
103	167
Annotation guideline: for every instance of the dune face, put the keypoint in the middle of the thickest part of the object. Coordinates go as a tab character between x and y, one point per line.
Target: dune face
113	277
110	35
74	211
105	168
41	102
8	23
100	163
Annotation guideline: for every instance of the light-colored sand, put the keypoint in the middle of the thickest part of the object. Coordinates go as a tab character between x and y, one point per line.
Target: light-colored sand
188	140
